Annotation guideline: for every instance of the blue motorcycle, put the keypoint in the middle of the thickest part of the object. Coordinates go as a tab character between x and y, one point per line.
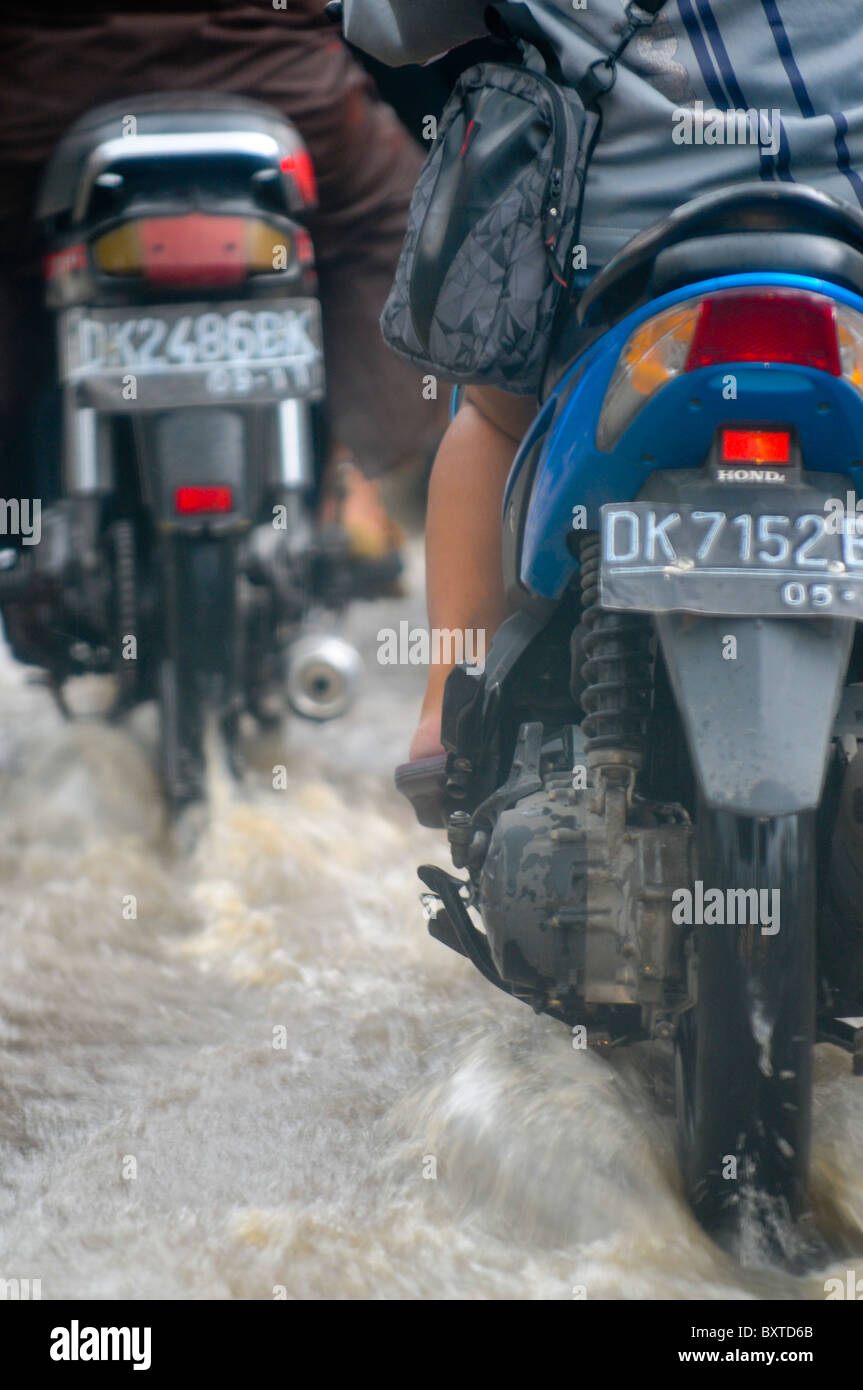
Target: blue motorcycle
653	784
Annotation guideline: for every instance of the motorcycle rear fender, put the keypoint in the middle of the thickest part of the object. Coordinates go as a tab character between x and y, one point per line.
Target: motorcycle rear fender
197	445
758	699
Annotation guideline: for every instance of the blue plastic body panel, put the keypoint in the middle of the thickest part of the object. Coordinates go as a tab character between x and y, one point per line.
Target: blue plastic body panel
674	430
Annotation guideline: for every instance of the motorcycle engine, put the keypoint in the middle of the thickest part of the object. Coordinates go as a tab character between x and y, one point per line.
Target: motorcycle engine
576	886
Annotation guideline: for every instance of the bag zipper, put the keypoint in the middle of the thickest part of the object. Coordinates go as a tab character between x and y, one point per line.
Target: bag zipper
553	215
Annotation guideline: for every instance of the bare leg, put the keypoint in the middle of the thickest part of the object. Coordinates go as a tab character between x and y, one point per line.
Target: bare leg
463	533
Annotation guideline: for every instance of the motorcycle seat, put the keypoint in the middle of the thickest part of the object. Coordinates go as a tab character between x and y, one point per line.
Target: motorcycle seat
749	226
97	140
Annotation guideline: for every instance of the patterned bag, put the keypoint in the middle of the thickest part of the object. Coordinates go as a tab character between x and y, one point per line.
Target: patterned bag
495	216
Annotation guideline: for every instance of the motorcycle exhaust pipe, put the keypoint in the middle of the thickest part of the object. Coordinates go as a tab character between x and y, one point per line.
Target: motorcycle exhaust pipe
323	676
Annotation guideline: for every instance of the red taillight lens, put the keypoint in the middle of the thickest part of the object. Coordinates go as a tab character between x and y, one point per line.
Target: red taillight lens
199	250
766	326
300	168
193	250
756	446
192	501
59	263
762	326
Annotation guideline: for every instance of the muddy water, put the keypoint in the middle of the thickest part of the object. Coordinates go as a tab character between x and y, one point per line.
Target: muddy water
270	1082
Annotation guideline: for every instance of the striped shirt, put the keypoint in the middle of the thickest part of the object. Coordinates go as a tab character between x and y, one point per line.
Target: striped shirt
791	71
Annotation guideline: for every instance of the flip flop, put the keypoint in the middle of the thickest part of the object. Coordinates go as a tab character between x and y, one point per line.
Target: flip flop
423	782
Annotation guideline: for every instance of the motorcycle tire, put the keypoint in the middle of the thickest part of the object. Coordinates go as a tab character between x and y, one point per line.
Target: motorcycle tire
743	1063
198	666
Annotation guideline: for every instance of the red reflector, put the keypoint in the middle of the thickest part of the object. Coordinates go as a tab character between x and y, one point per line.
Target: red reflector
766	327
193	250
192	500
302	171
303	247
756	446
59	263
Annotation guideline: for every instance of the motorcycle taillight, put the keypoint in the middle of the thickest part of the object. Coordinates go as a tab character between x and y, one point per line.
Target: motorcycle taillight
195	249
196	500
761	325
298	166
766	326
755	446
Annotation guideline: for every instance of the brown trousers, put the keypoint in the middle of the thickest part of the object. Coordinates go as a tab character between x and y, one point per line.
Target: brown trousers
53	70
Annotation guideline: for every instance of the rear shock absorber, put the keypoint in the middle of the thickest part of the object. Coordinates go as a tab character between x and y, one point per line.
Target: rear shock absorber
616	672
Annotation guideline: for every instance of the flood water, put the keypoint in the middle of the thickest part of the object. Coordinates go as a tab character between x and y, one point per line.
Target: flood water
262	1079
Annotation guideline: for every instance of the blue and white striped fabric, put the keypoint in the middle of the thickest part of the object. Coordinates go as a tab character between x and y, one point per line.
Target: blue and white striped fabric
799	59
799	62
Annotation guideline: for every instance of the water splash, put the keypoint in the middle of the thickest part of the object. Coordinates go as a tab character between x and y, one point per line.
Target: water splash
315	1099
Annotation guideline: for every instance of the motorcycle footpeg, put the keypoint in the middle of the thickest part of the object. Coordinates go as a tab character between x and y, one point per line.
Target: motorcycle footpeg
441	929
423	782
843	1027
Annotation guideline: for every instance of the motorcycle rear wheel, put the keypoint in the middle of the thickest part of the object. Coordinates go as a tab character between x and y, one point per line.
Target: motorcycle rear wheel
198	678
743	1064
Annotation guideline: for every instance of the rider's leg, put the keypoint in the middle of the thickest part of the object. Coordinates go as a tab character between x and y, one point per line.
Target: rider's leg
353	500
463	531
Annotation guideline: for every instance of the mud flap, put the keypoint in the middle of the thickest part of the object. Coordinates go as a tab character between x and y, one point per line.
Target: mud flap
758	699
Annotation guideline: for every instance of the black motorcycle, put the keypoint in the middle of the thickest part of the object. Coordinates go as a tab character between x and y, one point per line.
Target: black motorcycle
181	554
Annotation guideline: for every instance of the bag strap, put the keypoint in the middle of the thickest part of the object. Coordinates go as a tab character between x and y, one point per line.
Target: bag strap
593	87
602	74
512	19
511	22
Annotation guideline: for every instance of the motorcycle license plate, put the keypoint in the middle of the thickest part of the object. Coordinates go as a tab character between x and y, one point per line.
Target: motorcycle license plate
191	354
660	558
